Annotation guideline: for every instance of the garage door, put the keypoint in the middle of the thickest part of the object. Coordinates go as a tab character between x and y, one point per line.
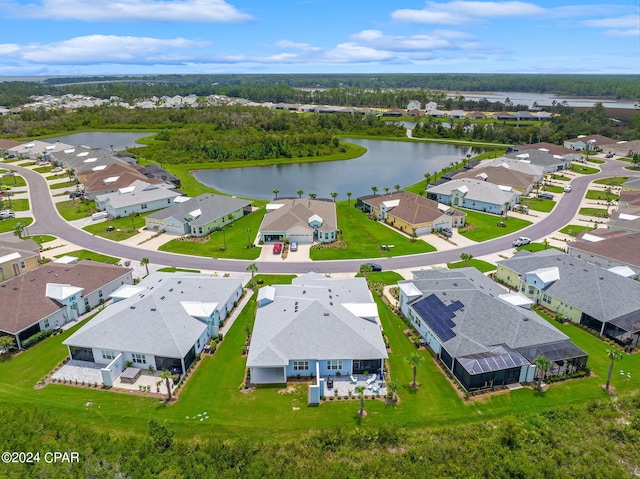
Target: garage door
439	226
300	238
175	229
423	230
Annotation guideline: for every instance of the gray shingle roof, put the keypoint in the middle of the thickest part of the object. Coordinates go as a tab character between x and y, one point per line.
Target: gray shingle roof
211	206
142	192
296	212
478	191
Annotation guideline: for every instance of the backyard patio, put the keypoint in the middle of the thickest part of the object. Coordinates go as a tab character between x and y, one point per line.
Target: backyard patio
343	384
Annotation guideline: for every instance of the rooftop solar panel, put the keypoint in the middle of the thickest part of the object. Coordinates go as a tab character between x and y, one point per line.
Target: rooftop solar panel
437	315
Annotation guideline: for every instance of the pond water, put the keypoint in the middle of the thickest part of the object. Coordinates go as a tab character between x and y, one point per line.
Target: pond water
385	164
101	139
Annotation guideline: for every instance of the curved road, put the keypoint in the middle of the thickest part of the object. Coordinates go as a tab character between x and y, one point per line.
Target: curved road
48	221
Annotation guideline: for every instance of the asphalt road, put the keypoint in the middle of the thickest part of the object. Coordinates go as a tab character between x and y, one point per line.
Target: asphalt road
48	221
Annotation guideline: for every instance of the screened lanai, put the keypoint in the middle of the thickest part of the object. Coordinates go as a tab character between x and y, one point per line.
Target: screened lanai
565	357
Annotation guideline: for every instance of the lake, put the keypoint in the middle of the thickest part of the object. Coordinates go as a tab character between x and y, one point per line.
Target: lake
385	164
101	139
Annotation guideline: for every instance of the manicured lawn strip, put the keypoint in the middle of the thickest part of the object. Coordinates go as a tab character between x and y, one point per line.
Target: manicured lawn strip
485	226
574	229
75	209
553	189
90	255
597	212
64	184
597	162
10	223
600	195
178	270
40	239
236	239
583	170
15	180
384	277
364	237
533	247
560	177
538	204
613	181
43	169
482	266
123	227
18	205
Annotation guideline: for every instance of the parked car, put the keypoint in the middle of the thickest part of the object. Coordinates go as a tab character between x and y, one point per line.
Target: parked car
374	266
567	189
545	196
277	248
523	240
99	215
609	155
294	246
57	169
7	214
446	232
75	194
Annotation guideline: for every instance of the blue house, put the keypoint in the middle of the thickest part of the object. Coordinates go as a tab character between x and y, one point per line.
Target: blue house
476	195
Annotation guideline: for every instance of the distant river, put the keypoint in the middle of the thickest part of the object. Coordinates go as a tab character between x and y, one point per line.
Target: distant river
101	139
385	164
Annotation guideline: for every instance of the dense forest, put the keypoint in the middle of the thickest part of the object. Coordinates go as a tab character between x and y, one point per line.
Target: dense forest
599	439
384	88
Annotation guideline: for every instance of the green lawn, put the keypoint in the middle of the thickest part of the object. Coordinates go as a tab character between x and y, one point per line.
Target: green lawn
583	170
364	237
384	277
596	161
235	236
91	255
553	189
600	195
533	247
123	227
613	181
478	264
560	177
597	212
75	209
10	223
15	180
71	184
177	270
40	239
538	204
483	226
18	205
574	229
43	169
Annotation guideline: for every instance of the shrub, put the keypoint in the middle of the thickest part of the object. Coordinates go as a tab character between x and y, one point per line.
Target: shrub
36	338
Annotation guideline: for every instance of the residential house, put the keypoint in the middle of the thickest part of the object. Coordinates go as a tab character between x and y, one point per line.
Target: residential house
580	291
17	256
608	248
139	197
476	195
198	216
317	326
500	175
483	335
548	148
625	219
476	115
526	115
53	294
6	144
104	179
411	213
622	148
35	150
414	105
503	116
520	165
155	172
300	220
163	322
588	142
459	114
81	158
549	163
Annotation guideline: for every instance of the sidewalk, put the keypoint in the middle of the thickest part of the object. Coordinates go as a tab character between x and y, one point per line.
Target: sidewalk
236	312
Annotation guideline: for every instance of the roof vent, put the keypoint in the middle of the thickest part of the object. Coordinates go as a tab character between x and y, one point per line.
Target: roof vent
171	290
161	297
132	307
50	271
326	314
601	277
525	319
455	284
67	269
331	303
180	282
32	279
153	309
304	292
329	289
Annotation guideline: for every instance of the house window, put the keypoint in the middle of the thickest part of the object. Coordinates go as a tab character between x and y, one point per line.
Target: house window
143	206
334	364
169	201
23	264
107	354
86	303
530	289
100	294
546	298
46	323
139	358
300	365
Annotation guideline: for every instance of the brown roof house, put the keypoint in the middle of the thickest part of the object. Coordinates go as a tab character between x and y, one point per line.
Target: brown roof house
17	256
412	213
105	179
588	142
54	294
300	220
499	175
615	250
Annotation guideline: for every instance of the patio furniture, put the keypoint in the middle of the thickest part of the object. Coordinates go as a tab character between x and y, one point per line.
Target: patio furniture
375	389
371	380
130	375
354	379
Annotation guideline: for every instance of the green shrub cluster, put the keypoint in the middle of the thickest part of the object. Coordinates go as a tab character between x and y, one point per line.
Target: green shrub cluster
36	338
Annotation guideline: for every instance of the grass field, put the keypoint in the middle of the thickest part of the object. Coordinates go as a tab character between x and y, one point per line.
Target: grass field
177	270
235	236
123	227
9	224
385	277
71	185
553	189
600	195
18	205
613	181
364	238
560	177
533	247
478	264
43	169
483	226
597	212
15	180
583	170
574	229
74	209
91	255
41	239
538	204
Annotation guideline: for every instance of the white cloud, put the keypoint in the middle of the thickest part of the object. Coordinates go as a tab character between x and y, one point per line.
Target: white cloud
398	43
93	49
7	49
352	52
456	12
295	46
214	11
622	33
628	21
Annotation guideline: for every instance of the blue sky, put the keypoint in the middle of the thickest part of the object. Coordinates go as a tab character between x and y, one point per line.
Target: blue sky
71	37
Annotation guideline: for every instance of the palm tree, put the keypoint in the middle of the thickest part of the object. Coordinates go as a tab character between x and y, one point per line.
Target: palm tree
386	190
414	361
166	375
614	356
275	192
427	177
392	388
414	234
349	198
18	230
542	364
300	193
254	269
365	268
374	189
545	243
397	187
313	195
145	262
334	194
360	391
132	215
466	257
506	209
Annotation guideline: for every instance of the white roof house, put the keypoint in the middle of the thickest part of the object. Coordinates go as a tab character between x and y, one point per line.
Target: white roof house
136	198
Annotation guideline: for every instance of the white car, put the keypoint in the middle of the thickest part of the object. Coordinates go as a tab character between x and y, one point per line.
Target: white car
567	189
523	240
4	214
